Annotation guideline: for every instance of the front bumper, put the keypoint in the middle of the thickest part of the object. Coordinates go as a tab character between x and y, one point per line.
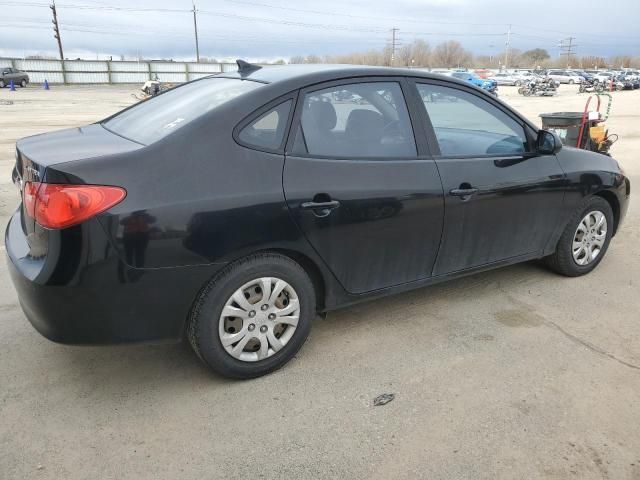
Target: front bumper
92	297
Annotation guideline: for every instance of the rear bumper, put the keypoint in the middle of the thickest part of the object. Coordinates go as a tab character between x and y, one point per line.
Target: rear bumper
82	299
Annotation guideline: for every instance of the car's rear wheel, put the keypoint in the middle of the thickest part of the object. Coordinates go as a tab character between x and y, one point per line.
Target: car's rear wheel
2	84
253	317
23	83
585	239
571	82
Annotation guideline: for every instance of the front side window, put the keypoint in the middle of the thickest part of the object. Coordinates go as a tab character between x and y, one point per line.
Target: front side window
159	116
357	120
467	125
267	131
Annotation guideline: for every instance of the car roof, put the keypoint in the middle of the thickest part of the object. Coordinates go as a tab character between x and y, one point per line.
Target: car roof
303	74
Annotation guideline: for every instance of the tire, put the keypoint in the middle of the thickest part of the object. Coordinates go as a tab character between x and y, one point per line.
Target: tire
23	83
562	260
619	88
582	89
2	84
206	324
518	83
571	82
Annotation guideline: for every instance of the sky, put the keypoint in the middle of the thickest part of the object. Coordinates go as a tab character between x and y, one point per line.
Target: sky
266	30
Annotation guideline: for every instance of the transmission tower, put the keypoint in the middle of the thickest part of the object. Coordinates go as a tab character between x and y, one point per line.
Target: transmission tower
567	49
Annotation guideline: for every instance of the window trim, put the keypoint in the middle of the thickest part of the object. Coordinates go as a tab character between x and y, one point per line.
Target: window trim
257	113
407	96
430	134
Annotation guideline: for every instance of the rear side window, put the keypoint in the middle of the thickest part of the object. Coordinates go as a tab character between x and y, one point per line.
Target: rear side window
267	131
368	120
157	117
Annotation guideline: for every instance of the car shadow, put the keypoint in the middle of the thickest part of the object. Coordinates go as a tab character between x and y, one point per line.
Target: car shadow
175	365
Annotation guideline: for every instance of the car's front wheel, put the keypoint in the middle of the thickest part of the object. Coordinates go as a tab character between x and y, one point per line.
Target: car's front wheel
2	84
585	239
23	83
253	317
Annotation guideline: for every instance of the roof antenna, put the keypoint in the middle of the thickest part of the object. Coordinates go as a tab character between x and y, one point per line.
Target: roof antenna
246	67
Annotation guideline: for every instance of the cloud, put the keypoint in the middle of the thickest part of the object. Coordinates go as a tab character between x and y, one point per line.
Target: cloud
267	29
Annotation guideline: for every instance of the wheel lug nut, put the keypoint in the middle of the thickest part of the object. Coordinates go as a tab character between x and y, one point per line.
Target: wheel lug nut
252	327
272	316
264	307
252	313
263	329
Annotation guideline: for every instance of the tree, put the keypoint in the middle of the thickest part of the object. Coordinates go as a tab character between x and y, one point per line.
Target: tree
450	54
416	54
619	61
535	56
296	59
593	62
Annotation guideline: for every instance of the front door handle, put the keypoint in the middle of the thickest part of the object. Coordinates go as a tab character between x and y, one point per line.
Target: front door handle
321	209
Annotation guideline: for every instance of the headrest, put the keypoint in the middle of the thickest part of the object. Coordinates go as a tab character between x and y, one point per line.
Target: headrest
323	114
364	125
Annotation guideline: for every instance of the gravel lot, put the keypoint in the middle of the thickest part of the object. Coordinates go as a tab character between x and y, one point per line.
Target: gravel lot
516	373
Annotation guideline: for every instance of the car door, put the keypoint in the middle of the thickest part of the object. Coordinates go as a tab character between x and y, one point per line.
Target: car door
502	201
362	191
12	76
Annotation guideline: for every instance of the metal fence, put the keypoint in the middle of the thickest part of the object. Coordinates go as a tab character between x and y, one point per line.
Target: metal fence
111	71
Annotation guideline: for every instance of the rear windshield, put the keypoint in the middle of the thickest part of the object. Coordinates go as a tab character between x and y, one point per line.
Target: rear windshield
157	117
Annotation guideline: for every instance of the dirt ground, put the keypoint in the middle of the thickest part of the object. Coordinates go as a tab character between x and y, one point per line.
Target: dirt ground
516	373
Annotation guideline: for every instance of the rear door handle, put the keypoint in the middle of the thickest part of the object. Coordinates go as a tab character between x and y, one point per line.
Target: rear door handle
463	192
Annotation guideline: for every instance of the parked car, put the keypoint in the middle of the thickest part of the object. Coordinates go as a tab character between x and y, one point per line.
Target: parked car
623	82
489	85
504	79
484	73
7	74
600	75
586	76
525	77
565	76
179	216
631	79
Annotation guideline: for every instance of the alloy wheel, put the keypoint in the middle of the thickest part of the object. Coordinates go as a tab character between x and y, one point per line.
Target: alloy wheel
259	319
589	238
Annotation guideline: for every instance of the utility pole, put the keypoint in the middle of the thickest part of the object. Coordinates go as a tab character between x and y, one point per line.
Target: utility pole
394	45
566	48
56	29
195	29
507	50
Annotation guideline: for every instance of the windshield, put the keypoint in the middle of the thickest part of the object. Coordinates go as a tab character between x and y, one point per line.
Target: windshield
157	117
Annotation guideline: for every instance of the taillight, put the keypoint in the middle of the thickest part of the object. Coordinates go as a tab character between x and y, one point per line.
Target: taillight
29	197
58	206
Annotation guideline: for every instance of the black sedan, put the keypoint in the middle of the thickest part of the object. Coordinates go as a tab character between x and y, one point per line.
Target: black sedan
233	209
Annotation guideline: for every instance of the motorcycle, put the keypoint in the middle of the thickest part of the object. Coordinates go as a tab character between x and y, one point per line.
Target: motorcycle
540	88
591	86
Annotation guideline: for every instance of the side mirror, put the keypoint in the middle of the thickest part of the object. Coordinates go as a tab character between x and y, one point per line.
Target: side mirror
548	142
